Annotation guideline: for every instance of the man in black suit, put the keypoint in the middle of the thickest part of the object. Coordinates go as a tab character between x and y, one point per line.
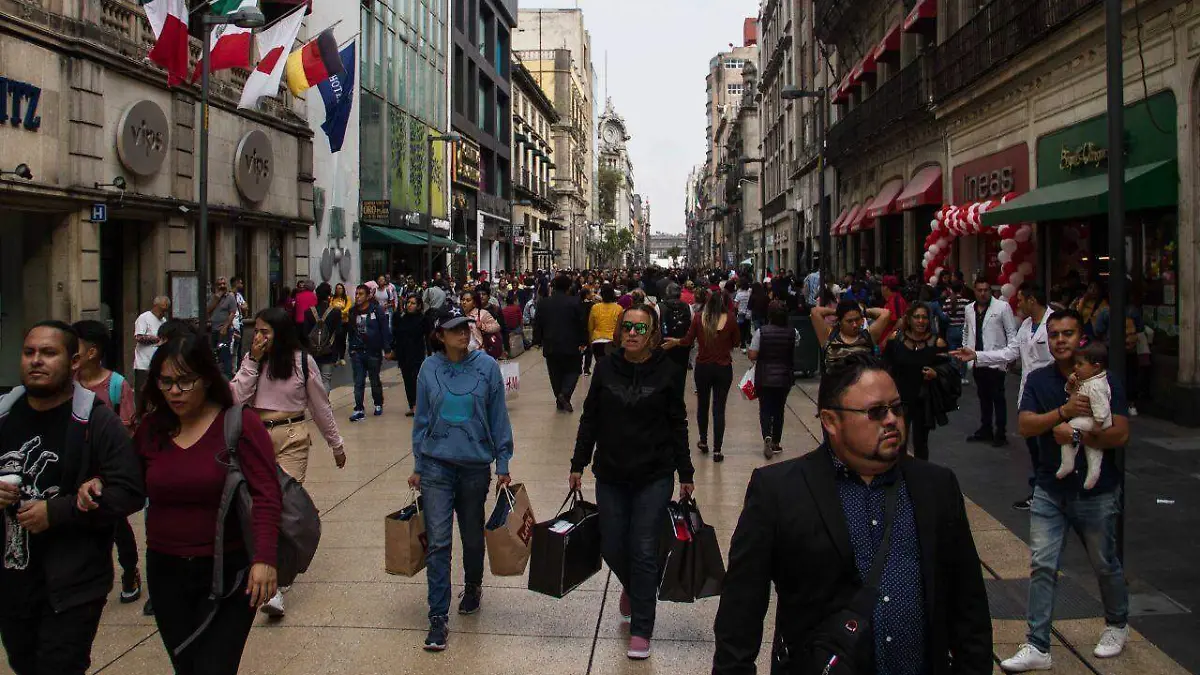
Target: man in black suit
560	327
812	525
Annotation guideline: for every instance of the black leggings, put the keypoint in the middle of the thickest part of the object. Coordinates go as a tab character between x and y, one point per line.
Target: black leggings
772	407
410	367
127	552
180	588
715	380
918	439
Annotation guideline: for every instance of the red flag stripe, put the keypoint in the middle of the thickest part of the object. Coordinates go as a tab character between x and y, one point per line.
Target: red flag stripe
232	50
171	50
267	64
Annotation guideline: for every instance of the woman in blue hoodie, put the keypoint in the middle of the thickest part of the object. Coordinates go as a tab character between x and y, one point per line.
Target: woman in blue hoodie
461	427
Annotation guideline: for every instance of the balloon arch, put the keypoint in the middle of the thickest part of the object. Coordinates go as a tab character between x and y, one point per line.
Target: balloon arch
1016	243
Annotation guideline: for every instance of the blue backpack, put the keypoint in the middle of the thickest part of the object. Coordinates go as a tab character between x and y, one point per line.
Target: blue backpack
114	391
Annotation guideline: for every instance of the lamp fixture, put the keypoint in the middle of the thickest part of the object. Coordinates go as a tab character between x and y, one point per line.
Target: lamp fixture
22	171
118	183
251	17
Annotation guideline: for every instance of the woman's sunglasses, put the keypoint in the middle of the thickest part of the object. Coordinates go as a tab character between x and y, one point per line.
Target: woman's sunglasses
641	328
877	413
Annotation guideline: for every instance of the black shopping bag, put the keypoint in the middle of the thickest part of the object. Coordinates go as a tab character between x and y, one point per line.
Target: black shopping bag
566	549
692	565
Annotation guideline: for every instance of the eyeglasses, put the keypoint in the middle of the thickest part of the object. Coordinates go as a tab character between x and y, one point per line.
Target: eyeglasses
641	328
877	413
185	384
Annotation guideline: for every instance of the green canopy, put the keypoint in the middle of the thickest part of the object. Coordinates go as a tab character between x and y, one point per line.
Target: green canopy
378	234
1146	187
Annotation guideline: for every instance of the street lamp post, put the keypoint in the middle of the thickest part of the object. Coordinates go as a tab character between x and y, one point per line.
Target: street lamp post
445	138
512	225
791	93
250	17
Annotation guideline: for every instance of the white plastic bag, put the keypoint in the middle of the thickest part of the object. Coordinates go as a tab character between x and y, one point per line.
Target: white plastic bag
511	372
747	385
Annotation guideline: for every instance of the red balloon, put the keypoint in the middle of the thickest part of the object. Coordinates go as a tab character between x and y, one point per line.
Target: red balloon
1025	248
1003	279
1008	268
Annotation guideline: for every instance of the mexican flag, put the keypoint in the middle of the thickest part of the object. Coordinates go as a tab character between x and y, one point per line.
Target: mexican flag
169	21
230	44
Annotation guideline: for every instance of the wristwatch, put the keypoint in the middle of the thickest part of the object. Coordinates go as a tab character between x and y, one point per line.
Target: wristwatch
1076	437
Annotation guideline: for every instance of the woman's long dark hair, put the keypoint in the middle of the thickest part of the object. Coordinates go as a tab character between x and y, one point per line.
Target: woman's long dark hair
191	353
710	316
281	361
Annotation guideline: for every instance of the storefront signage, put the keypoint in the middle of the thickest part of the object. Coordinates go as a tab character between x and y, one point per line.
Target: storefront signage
21	100
1088	154
253	166
466	163
992	176
991	185
143	135
375	209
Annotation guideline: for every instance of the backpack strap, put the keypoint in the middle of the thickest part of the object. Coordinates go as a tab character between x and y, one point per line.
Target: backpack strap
115	382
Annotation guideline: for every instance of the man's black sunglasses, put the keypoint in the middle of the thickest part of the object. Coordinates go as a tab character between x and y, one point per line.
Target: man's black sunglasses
877	413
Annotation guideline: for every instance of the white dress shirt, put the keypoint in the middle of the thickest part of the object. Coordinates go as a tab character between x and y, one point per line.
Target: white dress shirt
1030	345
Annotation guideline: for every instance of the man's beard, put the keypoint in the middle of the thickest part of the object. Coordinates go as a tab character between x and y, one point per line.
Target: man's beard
48	390
880	454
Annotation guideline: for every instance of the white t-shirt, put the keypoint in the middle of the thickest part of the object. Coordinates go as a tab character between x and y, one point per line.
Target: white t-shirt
146	324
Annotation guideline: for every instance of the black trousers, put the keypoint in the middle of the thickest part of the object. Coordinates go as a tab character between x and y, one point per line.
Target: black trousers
40	641
180	588
564	373
772	406
990	382
918	439
410	368
712	381
127	553
587	359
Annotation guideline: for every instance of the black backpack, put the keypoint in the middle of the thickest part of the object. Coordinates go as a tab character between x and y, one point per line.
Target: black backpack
320	338
676	318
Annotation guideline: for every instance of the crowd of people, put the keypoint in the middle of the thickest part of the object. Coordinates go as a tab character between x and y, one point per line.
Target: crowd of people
83	448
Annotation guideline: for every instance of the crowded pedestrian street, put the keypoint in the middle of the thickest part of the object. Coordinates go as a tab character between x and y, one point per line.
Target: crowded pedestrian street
347	615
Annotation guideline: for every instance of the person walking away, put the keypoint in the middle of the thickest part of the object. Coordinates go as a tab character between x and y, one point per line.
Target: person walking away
604	322
688	293
321	326
954	304
912	355
483	324
1061	504
146	341
114	391
341	302
847	336
741	299
57	568
676	318
1031	346
989	326
460	430
773	352
410	330
369	334
181	443
511	314
560	328
635	444
306	299
813	527
222	307
716	332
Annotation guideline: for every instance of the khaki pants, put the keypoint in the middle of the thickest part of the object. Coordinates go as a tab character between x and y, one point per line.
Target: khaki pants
291	442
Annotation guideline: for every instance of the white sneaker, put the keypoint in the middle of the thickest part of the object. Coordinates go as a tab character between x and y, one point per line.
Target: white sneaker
1112	642
274	606
1132	410
1027	658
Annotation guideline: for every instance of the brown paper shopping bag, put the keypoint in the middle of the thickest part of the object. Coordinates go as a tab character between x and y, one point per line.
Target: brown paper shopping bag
509	532
405	542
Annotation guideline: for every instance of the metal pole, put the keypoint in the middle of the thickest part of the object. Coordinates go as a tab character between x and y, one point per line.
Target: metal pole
202	224
429	211
823	260
1116	224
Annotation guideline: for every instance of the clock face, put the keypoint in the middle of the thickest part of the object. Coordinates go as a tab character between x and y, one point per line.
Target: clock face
610	134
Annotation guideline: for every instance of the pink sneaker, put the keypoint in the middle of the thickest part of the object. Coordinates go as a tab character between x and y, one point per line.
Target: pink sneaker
639	648
626	607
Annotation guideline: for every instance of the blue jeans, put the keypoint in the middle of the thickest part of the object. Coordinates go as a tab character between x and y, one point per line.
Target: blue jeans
364	364
631	522
1095	520
954	337
449	489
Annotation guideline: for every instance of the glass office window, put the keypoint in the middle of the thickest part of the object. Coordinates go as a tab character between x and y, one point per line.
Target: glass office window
371	149
365	51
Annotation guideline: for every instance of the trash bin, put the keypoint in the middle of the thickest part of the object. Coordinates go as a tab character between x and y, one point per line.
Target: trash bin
807	358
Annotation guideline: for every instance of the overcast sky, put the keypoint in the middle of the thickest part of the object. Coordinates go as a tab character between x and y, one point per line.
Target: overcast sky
658	54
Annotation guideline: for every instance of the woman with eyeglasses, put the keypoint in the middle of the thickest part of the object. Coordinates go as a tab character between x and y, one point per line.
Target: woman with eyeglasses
912	356
633	432
181	442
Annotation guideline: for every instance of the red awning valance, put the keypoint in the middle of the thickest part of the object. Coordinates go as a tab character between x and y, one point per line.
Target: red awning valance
837	224
864	69
859	221
850	218
924	189
888	49
922	16
885	202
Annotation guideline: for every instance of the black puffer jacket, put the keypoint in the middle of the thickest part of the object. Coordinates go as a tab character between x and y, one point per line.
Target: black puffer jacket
776	357
635	420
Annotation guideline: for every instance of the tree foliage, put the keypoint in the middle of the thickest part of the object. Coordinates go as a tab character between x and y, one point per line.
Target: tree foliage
612	245
674	253
609	180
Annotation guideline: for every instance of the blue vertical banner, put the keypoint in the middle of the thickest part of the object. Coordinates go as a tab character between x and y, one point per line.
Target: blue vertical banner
338	94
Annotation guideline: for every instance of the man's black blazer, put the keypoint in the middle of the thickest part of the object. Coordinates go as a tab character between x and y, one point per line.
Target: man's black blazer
560	325
793	533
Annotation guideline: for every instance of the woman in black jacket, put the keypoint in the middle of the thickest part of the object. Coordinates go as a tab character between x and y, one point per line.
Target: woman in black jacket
410	328
773	351
633	392
912	355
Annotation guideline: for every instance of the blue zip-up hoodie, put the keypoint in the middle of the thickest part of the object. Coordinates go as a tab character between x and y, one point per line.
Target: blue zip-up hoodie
461	414
379	333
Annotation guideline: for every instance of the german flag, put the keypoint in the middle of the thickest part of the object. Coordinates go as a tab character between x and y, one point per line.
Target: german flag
313	63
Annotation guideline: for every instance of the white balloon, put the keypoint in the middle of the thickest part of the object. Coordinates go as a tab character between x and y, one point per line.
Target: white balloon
933	280
1023	234
1003	257
1007	291
1016	278
1009	245
938	272
933	224
1026	268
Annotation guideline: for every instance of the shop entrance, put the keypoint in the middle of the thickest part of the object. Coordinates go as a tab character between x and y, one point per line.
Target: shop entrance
892	255
112	285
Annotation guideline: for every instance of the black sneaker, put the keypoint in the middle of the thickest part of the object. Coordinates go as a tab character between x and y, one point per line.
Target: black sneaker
439	632
702	446
471	596
567	407
148	609
981	436
999	441
718	457
1023	504
131	586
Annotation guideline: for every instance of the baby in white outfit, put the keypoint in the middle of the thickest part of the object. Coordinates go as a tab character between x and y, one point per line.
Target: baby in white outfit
1091	380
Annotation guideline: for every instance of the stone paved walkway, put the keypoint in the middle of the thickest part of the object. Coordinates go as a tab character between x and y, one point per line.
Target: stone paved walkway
348	616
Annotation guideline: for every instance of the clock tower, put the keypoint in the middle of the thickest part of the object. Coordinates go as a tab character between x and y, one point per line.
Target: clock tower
613	155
